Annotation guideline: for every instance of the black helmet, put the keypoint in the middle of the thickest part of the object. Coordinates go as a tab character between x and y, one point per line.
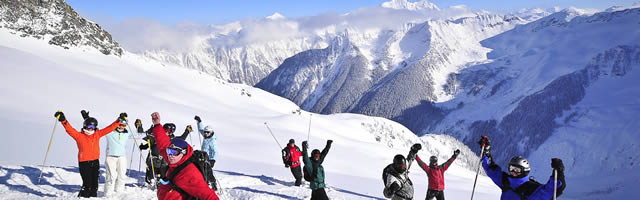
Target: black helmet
400	163
291	141
90	123
433	160
314	152
169	127
519	165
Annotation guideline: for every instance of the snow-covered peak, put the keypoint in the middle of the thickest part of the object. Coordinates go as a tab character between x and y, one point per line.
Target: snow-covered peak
619	8
405	4
276	16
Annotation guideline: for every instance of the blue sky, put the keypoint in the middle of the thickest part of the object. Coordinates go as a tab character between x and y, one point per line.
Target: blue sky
224	11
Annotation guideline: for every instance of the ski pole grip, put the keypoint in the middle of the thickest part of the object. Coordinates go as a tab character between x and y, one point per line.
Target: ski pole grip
58	116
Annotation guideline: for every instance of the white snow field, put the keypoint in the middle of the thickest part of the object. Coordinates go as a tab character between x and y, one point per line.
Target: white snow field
37	79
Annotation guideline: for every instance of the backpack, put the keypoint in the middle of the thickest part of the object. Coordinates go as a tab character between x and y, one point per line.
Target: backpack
310	176
386	172
286	154
200	159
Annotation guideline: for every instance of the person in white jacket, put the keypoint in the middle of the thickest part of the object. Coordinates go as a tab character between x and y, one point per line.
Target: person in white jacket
116	165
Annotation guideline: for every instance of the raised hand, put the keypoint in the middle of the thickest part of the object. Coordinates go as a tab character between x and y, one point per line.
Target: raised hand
60	116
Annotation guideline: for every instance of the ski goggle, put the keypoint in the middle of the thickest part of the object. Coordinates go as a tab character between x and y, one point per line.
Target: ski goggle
91	127
175	151
122	125
515	169
208	132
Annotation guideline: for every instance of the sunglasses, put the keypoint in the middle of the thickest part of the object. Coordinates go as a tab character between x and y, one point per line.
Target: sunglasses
91	127
515	169
175	151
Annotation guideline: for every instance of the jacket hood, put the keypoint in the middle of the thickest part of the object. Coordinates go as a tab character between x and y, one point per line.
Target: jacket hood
184	158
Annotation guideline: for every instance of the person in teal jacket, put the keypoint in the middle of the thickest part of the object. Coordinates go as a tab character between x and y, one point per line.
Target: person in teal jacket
313	168
116	162
210	146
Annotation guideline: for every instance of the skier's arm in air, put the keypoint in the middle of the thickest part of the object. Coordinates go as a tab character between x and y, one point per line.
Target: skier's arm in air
186	133
422	164
325	151
447	164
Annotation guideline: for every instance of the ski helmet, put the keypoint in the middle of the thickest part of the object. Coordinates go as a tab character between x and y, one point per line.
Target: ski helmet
433	160
520	165
400	163
314	152
208	129
90	123
169	127
291	141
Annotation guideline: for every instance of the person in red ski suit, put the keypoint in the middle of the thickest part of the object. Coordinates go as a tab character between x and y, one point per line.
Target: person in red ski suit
187	183
435	173
291	157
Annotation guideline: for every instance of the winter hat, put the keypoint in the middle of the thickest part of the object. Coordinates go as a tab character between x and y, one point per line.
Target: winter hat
180	143
291	141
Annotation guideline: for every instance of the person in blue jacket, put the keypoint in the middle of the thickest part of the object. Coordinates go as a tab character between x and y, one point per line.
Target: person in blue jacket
210	146
516	184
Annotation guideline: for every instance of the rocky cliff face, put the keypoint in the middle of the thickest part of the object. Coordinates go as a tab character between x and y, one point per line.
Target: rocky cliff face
57	22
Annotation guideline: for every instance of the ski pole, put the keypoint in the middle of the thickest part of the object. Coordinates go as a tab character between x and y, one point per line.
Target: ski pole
477	171
309	132
49	147
153	170
274	137
135	142
555	183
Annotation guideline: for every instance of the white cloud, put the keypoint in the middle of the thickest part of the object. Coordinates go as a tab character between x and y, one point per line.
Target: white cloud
139	34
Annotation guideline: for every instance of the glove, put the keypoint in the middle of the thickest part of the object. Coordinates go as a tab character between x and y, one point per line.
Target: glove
60	116
155	118
416	147
85	114
197	118
329	142
188	129
456	152
484	140
286	166
557	164
305	145
138	123
123	117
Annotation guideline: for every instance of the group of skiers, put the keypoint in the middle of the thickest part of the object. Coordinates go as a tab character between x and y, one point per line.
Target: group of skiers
183	173
180	171
515	184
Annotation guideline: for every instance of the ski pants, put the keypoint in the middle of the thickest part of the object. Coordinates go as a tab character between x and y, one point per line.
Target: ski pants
297	173
116	170
437	194
89	171
211	179
319	194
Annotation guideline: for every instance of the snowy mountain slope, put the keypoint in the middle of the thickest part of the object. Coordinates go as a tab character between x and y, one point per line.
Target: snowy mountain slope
548	93
248	50
38	79
405	67
56	22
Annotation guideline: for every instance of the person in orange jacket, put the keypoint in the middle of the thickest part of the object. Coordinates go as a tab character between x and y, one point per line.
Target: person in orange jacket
88	141
183	179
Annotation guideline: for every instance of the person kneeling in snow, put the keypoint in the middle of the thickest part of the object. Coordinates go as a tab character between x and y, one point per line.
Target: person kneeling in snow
516	184
88	142
314	170
185	181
